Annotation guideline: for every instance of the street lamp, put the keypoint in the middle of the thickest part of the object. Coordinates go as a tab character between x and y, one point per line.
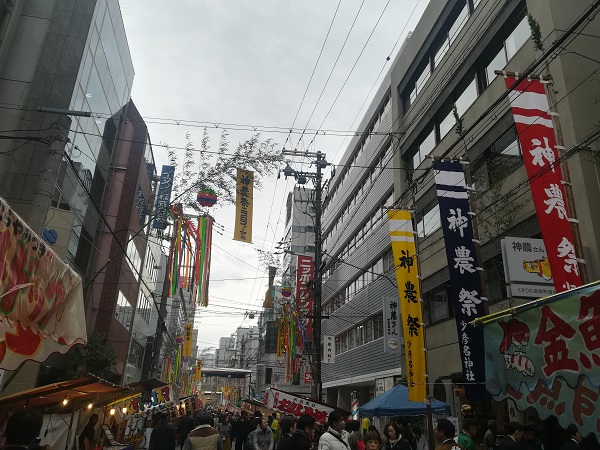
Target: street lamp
317	177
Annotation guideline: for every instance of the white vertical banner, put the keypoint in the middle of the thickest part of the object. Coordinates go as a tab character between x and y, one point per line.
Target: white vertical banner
328	349
392	327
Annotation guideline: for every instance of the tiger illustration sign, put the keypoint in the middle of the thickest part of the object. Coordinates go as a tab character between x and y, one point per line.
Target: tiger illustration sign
527	268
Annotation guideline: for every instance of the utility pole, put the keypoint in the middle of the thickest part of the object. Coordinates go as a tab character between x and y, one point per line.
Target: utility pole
301	178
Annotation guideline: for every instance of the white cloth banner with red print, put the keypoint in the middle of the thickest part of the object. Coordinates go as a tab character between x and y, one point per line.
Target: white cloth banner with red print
536	134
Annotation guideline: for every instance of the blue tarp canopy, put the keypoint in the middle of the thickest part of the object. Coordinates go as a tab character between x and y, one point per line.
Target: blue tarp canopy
395	403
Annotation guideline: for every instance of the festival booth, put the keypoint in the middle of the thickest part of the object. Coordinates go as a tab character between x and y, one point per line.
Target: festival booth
130	419
545	355
65	405
296	405
395	402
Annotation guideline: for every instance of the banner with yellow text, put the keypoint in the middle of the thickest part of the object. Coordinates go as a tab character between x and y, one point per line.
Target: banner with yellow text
409	292
198	370
187	339
243	206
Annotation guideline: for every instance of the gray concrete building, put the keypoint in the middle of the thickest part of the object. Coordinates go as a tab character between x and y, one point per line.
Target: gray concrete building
449	60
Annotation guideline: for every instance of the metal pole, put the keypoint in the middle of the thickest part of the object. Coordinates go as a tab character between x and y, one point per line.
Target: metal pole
45	188
318	275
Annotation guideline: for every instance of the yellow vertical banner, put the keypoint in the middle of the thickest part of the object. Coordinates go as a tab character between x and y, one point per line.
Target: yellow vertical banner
243	206
187	339
198	370
409	292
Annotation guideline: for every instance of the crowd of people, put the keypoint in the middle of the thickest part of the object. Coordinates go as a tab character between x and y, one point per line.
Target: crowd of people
217	430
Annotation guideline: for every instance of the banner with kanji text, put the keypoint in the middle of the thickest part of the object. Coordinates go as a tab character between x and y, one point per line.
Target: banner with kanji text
465	279
187	339
410	316
244	204
545	355
536	135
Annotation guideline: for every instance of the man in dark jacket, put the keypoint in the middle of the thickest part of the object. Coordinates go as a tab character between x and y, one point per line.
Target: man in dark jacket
186	424
163	435
302	437
287	426
574	442
238	430
514	434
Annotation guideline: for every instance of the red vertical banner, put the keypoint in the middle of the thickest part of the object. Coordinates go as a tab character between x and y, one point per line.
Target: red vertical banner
304	291
532	116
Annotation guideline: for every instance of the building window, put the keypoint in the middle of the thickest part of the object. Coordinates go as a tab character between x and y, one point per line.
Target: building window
425	148
498	161
133	259
123	311
438	304
268	375
428	220
506	49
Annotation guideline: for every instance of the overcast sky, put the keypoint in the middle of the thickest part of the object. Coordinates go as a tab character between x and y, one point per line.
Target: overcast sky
249	63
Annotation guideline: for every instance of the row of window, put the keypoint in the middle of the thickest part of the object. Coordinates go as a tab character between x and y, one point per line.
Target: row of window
151	268
123	311
441	46
303	228
354	200
144	307
134	259
136	354
360	148
495	57
382	266
302	249
367	227
363	333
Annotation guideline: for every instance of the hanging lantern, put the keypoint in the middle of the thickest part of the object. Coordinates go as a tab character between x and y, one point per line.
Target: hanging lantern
207	197
286	291
179	339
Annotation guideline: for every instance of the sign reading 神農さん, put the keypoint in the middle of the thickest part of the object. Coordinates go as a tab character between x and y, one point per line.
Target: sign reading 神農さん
41	299
546	355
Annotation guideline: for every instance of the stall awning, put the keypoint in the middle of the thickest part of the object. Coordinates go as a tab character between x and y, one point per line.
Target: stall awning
87	389
78	392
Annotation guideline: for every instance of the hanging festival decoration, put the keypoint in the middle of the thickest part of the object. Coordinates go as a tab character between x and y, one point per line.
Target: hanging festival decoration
189	256
207	197
286	291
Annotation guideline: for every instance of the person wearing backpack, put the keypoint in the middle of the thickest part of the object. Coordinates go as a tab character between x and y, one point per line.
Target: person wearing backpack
355	437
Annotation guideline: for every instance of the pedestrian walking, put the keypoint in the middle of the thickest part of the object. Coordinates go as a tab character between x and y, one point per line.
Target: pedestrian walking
469	431
23	429
186	424
262	437
395	440
530	442
87	437
422	443
574	441
514	434
225	429
275	427
489	439
444	434
287	426
204	436
372	440
239	430
163	436
333	439
303	435
355	437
